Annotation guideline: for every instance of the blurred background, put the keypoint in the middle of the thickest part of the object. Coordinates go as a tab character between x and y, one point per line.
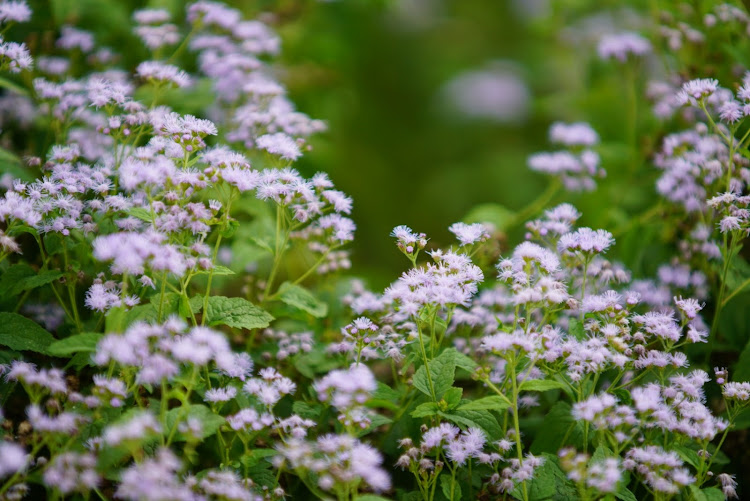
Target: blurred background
433	106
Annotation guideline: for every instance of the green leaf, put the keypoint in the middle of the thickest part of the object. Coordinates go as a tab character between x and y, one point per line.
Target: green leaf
460	359
426	409
236	312
453	396
575	329
20	333
558	424
371	497
10	85
217	270
141	213
491	403
710	494
688	455
80	343
484	420
548	483
210	422
541	385
307	411
302	299
442	372
255	456
496	214
12	277
742	368
445	486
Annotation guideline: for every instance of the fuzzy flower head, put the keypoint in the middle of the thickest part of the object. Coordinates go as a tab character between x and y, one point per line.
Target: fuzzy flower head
622	45
470	234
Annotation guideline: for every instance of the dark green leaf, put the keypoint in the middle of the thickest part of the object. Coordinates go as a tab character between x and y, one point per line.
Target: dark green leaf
484	420
445	486
453	396
236	312
141	213
84	342
575	329
255	456
217	270
491	403
20	333
558	425
302	299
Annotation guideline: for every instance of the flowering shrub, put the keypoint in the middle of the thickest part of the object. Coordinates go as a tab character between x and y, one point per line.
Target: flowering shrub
174	324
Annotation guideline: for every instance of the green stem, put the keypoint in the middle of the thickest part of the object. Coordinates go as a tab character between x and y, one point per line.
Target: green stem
426	365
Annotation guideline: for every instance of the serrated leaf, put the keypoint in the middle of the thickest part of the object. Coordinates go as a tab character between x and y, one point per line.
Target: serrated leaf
217	270
255	456
575	328
445	486
141	213
236	312
80	343
302	299
12	276
307	411
453	396
210	422
426	409
441	373
484	420
19	333
491	403
541	385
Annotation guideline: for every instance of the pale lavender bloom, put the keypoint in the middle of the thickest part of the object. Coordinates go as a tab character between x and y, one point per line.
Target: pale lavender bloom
494	93
162	73
620	46
225	394
155	479
729	223
728	485
250	420
136	429
72	472
64	422
573	134
74	38
14	11
280	144
156	37
13	458
14	56
226	485
151	16
736	391
52	380
586	240
697	89
689	307
345	389
53	65
731	111
469	234
341	228
604	475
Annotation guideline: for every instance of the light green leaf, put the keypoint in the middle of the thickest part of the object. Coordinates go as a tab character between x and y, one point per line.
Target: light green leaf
236	312
426	409
302	299
210	422
80	343
453	396
217	270
141	213
484	420
491	403
495	214
20	333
